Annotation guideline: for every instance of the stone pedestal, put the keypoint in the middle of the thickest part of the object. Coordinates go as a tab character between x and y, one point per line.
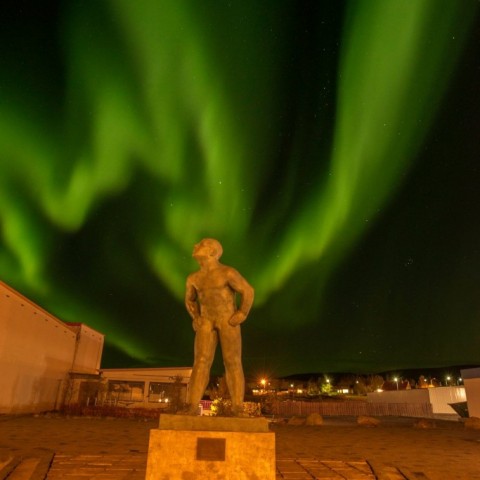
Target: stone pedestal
213	448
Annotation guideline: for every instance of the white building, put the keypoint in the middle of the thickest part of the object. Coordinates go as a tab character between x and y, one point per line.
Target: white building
37	354
471	380
438	397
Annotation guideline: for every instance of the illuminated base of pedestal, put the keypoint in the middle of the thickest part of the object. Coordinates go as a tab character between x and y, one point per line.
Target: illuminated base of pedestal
216	454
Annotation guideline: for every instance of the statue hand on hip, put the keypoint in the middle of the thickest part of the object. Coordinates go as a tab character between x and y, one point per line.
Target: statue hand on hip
237	318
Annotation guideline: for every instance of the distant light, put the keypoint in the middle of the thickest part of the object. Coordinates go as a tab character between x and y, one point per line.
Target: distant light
379	390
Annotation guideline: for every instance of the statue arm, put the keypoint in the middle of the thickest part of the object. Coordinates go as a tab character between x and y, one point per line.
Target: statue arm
246	291
191	303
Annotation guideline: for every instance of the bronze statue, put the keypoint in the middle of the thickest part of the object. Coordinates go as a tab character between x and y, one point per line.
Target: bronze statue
210	299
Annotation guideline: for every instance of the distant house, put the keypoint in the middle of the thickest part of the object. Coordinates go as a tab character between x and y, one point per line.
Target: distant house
390	385
46	363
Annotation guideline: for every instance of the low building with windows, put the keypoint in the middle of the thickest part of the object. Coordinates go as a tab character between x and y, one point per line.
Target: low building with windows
145	387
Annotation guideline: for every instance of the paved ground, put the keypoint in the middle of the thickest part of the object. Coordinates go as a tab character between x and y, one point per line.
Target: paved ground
447	452
93	448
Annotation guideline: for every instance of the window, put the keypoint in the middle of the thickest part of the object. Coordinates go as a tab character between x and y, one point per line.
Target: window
126	391
160	392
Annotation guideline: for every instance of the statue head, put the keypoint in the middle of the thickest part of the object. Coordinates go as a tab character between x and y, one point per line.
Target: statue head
208	248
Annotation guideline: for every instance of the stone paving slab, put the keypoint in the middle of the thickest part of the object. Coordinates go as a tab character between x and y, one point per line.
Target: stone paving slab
315	469
30	465
25	469
83	467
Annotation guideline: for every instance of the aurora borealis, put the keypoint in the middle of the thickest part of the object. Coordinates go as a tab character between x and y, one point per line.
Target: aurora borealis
332	147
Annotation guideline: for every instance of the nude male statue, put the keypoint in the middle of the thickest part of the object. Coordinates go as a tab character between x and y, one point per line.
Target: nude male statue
210	299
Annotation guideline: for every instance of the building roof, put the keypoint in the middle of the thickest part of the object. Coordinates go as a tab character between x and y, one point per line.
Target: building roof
166	374
469	373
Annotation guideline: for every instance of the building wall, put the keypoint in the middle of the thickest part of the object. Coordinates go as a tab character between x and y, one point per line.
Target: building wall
472	386
471	380
89	347
36	354
438	397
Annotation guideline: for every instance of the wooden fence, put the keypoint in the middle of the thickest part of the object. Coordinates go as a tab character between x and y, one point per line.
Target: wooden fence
354	408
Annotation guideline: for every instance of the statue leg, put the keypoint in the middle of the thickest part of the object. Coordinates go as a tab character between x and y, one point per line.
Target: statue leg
231	341
206	340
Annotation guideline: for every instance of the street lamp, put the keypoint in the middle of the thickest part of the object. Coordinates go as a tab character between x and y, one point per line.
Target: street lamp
396	381
263	382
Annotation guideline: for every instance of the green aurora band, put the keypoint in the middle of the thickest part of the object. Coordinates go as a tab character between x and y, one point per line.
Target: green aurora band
172	110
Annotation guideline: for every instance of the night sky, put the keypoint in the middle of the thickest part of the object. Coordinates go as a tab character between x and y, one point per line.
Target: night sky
332	147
